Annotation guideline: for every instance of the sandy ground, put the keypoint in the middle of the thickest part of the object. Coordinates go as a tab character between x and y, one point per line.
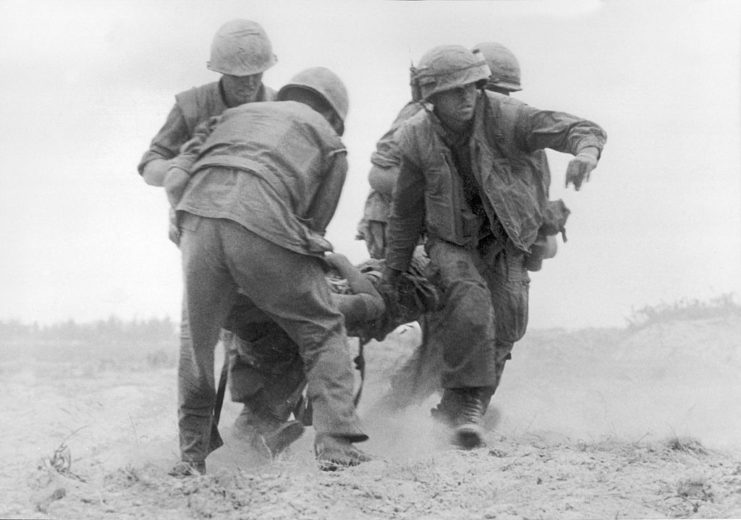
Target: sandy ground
588	424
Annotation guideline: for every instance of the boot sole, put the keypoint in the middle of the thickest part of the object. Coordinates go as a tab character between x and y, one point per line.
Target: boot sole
340	461
469	436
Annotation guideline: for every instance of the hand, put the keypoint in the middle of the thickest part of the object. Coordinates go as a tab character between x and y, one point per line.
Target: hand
175	183
155	171
173	231
580	167
338	261
376	239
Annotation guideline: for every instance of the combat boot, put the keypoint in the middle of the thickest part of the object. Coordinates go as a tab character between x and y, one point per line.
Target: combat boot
469	433
258	422
188	469
449	408
334	452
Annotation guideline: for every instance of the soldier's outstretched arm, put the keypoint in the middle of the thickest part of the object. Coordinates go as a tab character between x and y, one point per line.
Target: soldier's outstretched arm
538	129
581	166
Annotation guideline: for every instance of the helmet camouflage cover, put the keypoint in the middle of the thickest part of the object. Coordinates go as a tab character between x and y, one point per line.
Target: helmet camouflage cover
447	67
505	69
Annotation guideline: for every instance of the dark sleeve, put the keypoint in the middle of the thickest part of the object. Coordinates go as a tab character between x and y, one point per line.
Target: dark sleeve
538	129
407	214
327	197
166	144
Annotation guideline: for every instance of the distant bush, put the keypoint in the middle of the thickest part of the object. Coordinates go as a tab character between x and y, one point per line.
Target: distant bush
161	358
722	306
112	330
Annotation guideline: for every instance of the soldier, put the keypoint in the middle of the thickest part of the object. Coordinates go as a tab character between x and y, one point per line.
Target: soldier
240	52
469	180
419	377
253	214
385	160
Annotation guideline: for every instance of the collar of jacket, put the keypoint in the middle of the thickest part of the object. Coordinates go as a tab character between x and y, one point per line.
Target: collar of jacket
261	95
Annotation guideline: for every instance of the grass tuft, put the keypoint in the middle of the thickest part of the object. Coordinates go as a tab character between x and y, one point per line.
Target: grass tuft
687	445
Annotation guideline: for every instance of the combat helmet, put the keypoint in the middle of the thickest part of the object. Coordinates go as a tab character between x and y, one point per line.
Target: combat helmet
326	84
446	67
505	69
241	48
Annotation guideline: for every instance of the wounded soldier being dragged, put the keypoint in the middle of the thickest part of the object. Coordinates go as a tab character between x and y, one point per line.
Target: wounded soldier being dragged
267	373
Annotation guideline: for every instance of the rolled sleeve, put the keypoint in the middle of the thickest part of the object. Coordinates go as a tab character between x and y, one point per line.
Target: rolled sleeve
166	144
407	215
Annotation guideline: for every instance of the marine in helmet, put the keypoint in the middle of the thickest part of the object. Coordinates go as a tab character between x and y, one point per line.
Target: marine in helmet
469	182
504	79
253	214
419	377
241	52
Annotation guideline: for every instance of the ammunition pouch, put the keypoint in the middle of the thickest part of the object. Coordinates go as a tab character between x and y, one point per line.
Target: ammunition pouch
554	222
554	219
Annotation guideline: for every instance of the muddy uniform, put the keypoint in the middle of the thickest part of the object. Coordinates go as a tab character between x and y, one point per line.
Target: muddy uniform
253	217
266	361
419	377
480	199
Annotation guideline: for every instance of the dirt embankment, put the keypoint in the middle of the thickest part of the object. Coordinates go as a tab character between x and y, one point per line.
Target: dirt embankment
587	424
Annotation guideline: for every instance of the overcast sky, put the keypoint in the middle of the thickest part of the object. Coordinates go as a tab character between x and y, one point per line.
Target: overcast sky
85	85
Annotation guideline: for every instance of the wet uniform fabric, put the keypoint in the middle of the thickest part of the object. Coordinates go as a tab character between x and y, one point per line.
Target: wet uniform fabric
477	245
268	359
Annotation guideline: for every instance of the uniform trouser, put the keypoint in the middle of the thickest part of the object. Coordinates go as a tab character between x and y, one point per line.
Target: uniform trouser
485	311
220	256
264	361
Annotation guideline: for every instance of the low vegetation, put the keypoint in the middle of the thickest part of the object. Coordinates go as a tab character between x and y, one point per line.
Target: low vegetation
722	306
